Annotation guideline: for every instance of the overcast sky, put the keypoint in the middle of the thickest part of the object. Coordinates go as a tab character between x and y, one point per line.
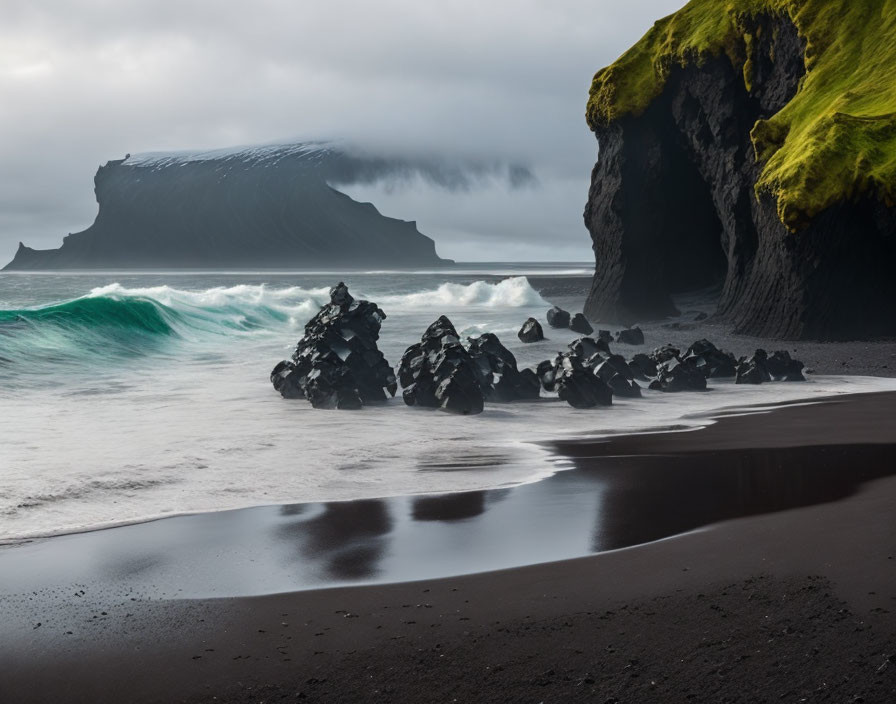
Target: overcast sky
84	81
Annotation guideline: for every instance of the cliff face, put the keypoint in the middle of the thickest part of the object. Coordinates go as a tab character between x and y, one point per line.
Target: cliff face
263	207
711	172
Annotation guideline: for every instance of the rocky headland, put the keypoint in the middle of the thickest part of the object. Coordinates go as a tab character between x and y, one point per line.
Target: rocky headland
254	207
752	146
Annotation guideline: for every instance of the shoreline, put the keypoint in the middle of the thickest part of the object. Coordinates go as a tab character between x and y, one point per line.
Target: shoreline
700	419
780	595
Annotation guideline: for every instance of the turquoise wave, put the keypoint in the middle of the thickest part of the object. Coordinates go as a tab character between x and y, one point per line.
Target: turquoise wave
110	314
83	332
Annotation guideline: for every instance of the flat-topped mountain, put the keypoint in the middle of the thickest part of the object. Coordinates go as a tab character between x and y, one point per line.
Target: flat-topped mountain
263	207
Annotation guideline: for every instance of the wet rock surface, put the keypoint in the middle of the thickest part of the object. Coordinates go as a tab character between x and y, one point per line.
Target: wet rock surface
674	375
711	361
337	363
577	384
499	377
617	374
558	318
531	331
761	368
438	372
580	324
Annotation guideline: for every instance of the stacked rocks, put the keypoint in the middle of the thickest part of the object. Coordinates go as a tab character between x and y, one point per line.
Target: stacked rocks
438	372
498	374
337	363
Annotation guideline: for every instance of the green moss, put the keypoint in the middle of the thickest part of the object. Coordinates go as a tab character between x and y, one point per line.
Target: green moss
834	140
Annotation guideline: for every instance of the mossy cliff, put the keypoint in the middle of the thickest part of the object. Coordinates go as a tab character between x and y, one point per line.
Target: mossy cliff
752	142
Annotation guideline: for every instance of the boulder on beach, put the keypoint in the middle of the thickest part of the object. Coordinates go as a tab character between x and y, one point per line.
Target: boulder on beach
580	324
586	347
674	375
664	353
578	385
438	372
642	367
531	331
614	370
710	360
558	318
630	336
761	368
337	363
498	374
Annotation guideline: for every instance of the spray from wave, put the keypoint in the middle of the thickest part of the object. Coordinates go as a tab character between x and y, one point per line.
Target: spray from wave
114	323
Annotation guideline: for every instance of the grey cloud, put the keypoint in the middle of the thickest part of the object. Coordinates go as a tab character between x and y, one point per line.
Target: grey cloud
499	82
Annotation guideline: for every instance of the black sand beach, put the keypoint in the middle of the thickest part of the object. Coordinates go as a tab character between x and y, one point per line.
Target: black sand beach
796	604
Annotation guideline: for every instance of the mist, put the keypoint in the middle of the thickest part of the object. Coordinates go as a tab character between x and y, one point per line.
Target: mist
84	82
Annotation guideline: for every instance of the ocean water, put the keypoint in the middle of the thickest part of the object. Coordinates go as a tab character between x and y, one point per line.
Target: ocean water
126	397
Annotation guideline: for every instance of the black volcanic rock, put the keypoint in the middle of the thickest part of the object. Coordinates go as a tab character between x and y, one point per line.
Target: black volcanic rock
586	347
710	360
578	385
753	370
438	372
673	207
630	336
580	324
642	367
761	368
499	377
619	377
558	318
664	354
531	331
256	207
673	375
337	363
783	368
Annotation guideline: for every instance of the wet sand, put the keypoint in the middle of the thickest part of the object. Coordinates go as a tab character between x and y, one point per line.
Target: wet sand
790	594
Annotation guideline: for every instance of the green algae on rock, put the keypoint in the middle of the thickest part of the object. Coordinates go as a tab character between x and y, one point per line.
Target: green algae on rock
834	141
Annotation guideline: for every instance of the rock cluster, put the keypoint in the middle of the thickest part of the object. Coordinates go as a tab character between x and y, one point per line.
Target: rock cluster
761	368
337	363
531	331
438	372
559	318
499	377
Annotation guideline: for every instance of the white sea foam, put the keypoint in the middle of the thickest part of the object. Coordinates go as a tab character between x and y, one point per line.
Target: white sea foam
194	425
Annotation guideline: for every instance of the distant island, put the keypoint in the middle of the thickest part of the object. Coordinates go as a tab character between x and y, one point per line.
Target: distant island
253	207
751	146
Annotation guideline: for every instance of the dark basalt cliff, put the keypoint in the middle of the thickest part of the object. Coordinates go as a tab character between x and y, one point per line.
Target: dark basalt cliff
674	206
261	207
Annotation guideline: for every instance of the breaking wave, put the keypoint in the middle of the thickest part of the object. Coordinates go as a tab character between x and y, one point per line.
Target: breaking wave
113	321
